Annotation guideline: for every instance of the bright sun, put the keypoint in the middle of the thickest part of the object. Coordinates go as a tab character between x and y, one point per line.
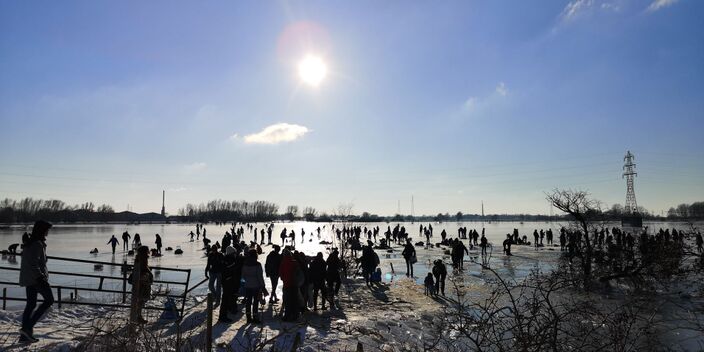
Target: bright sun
312	70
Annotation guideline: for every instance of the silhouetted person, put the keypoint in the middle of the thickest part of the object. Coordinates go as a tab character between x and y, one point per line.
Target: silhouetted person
429	285
316	272
229	300
126	241
136	241
409	254
332	275
141	281
12	249
158	243
271	267
34	276
507	245
290	273
213	272
483	244
440	273
113	242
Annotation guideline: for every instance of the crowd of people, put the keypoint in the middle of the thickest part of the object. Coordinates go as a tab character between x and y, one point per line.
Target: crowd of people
235	270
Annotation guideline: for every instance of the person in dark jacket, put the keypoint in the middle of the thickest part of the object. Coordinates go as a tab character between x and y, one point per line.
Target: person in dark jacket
34	276
290	273
369	261
157	242
317	271
271	267
332	276
409	254
440	273
228	285
213	272
113	242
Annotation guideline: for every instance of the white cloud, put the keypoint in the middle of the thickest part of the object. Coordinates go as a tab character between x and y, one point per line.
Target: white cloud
659	4
277	133
471	103
235	137
477	105
501	89
574	8
195	167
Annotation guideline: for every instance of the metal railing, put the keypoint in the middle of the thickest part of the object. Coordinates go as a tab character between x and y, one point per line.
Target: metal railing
125	269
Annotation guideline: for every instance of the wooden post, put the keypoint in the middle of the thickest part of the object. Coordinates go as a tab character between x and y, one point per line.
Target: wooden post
392	269
59	295
209	325
4	296
124	281
100	286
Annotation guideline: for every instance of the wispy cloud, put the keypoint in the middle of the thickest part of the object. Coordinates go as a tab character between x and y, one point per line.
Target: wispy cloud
475	104
277	133
195	167
575	8
660	4
501	89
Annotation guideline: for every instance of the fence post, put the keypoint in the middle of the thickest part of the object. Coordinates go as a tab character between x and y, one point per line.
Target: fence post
4	296
124	281
100	286
209	325
58	289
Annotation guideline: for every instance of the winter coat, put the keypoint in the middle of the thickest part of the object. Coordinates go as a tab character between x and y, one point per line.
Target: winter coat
253	274
317	270
33	268
273	261
288	271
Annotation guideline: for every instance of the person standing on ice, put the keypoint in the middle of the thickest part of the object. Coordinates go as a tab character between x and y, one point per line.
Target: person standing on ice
34	276
409	254
126	241
158	243
114	242
213	272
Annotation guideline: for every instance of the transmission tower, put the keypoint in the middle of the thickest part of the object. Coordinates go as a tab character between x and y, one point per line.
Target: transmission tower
629	173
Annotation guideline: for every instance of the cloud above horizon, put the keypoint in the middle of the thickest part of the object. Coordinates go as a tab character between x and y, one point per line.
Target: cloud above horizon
277	133
659	4
195	167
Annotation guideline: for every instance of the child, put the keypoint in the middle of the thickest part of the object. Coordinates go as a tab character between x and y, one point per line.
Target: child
429	285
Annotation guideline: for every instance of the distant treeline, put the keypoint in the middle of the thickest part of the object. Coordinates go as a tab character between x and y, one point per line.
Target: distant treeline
28	210
687	211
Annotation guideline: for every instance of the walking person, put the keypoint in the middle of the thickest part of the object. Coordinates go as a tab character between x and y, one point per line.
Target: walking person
409	254
254	288
126	241
114	242
332	276
34	276
141	280
213	272
317	277
271	267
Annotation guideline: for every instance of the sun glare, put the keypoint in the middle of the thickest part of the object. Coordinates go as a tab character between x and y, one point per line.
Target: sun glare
312	70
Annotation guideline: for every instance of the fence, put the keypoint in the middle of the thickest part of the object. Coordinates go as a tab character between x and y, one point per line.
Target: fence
125	268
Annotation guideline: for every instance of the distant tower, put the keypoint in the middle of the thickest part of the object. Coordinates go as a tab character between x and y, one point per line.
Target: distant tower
629	173
163	203
412	207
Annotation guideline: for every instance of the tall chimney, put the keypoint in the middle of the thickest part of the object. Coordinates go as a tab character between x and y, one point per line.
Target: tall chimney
163	203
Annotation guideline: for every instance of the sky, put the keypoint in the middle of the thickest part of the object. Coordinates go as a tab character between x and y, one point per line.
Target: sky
449	103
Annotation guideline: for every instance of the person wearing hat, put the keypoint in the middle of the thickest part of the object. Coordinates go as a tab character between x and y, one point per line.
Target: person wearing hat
34	276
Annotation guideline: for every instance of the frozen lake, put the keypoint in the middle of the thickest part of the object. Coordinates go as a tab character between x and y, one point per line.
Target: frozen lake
76	241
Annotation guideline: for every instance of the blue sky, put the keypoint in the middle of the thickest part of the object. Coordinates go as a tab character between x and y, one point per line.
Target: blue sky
451	103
